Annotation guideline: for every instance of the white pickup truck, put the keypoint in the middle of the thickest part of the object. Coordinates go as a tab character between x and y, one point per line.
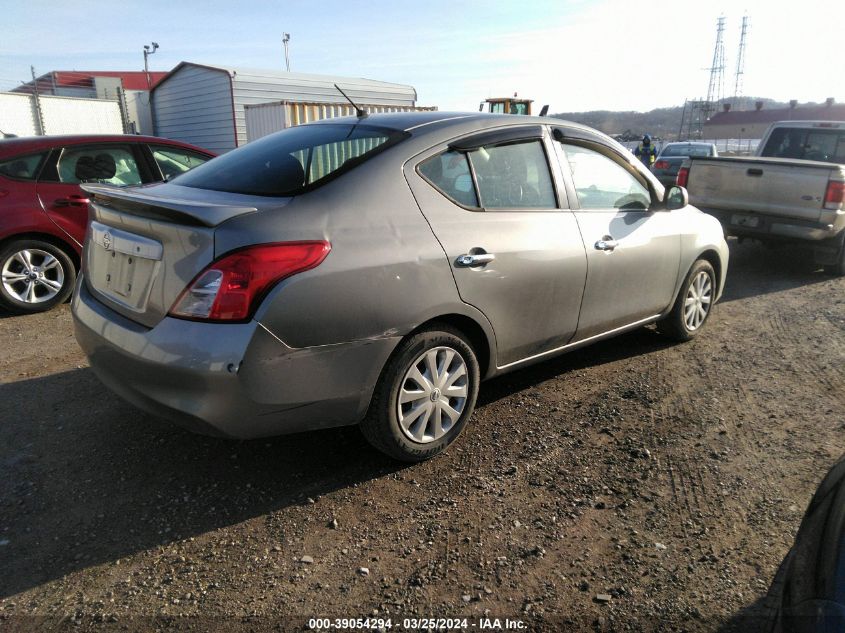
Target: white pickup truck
793	189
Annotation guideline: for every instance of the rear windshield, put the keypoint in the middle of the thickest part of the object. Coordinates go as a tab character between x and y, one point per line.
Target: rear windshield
814	144
686	150
292	161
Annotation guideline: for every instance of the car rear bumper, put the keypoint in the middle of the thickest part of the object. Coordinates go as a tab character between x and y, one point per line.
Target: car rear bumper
234	380
761	225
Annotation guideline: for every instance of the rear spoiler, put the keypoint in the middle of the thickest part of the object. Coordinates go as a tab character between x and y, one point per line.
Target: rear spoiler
145	203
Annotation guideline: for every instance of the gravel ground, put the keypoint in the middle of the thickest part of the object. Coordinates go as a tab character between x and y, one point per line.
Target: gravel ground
632	485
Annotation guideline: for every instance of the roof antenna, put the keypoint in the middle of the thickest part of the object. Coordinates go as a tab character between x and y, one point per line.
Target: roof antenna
545	110
358	110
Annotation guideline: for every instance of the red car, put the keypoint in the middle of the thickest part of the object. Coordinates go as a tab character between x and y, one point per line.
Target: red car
43	211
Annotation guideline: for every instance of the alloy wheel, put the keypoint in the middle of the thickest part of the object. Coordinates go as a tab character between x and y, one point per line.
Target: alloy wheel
32	276
698	301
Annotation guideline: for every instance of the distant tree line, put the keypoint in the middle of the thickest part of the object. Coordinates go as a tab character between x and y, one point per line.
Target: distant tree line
660	122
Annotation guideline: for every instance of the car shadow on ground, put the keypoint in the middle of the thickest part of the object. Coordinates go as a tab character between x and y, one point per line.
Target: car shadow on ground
89	479
756	269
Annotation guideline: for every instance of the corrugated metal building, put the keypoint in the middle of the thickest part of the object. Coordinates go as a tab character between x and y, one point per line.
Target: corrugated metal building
204	105
266	118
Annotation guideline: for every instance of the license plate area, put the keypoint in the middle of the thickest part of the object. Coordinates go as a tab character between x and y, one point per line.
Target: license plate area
122	265
751	221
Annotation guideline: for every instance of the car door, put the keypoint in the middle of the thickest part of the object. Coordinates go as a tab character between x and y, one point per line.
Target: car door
502	218
633	253
58	188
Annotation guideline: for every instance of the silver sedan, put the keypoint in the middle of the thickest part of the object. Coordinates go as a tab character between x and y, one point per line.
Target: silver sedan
374	270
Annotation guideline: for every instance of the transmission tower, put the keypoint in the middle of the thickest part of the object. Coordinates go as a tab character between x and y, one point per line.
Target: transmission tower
716	87
740	65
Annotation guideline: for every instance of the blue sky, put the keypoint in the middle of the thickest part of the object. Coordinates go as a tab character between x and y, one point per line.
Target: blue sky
573	55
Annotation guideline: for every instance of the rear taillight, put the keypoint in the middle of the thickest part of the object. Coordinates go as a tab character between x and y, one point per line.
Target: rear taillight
683	176
835	195
661	164
230	288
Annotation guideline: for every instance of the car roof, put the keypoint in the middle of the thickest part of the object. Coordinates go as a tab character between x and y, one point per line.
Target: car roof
417	122
14	146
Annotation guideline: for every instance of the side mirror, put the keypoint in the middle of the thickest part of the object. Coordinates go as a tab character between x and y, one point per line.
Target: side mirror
676	197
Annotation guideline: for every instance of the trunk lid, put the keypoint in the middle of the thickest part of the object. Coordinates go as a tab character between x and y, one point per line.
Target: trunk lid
770	186
144	245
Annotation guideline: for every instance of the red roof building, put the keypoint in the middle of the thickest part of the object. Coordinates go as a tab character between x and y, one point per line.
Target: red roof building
754	123
84	83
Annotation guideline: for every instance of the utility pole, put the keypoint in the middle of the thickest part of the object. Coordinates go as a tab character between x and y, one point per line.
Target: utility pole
38	112
149	49
285	41
740	64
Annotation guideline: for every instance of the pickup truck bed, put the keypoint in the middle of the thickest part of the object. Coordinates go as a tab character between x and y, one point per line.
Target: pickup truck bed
767	197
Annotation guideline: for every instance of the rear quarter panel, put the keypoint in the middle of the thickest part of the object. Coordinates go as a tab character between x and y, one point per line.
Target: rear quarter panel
21	214
386	272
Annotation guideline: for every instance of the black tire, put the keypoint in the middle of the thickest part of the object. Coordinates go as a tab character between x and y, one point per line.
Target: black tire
382	426
837	269
61	272
675	325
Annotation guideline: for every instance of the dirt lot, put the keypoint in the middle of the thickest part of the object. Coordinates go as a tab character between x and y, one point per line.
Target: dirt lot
671	478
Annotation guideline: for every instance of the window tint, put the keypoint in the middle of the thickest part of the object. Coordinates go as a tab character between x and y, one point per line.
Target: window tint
174	161
513	176
817	144
450	174
22	167
105	164
601	183
291	161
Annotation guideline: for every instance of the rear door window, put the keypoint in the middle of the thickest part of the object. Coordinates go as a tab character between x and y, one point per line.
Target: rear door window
292	161
514	176
22	167
111	164
450	174
173	161
505	176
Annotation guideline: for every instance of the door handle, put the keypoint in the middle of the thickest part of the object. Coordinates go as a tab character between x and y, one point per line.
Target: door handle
71	201
753	171
469	261
607	243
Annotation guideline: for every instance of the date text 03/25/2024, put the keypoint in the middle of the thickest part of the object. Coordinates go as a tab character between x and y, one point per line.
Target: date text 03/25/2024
415	624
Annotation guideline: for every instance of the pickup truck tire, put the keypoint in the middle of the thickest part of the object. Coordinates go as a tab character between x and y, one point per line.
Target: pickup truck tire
694	303
838	268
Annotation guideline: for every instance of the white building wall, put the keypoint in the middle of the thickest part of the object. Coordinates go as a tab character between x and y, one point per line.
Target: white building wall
17	115
139	111
61	115
194	105
65	115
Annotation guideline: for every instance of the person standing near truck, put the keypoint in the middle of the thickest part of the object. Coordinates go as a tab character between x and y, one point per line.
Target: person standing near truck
645	151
